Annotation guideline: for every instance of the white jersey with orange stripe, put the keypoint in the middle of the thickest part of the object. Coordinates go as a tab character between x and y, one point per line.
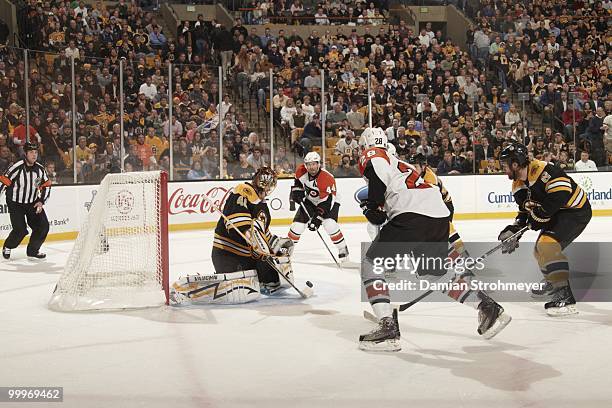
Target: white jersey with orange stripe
319	189
398	187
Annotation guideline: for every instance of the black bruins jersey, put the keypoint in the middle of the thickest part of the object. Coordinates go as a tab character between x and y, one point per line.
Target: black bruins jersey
243	208
551	187
431	178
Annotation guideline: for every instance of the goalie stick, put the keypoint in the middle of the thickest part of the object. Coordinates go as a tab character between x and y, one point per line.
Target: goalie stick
370	316
320	236
304	293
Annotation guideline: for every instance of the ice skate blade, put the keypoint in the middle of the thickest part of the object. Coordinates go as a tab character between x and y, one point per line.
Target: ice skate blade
501	322
563	311
385	346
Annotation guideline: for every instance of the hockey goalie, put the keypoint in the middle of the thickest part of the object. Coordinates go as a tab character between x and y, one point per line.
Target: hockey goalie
246	256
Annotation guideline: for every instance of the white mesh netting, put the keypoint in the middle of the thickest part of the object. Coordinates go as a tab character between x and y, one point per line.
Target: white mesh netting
119	259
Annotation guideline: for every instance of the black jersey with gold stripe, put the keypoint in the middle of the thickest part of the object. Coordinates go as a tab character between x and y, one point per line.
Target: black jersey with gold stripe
243	208
550	186
431	178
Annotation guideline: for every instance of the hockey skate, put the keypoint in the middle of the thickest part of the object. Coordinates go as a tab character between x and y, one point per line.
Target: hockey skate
563	303
386	337
271	288
37	256
491	318
545	292
6	252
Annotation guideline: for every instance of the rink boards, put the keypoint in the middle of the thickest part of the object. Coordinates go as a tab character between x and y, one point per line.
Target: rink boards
474	197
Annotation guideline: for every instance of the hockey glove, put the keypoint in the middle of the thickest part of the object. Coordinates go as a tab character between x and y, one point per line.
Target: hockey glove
538	217
511	245
281	246
375	215
297	195
315	222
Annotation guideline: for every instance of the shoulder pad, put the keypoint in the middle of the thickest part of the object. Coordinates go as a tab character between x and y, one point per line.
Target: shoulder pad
247	191
300	171
370	154
535	169
430	177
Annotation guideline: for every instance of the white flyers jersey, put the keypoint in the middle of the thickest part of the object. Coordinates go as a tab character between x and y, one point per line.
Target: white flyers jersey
317	189
398	186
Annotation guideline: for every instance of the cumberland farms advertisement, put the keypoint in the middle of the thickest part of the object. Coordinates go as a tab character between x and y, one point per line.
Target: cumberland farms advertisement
195	202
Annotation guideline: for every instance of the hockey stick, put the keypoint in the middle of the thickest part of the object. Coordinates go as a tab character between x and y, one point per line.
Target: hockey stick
304	293
481	258
320	236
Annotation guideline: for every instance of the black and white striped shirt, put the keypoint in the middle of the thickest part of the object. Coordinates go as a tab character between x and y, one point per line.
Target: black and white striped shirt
26	184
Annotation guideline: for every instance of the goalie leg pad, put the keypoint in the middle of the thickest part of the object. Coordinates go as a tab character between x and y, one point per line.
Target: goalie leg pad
223	288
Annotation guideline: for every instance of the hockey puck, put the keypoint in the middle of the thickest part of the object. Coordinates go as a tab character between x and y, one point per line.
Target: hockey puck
309	284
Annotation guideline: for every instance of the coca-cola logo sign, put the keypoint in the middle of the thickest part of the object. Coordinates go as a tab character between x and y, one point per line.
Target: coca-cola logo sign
204	203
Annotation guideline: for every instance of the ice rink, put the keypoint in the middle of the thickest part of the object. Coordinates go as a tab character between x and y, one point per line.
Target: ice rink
293	353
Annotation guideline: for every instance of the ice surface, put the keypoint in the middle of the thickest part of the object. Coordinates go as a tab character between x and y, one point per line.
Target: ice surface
293	353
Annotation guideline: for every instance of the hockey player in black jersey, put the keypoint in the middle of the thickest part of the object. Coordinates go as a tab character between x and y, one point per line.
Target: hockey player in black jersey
241	272
551	202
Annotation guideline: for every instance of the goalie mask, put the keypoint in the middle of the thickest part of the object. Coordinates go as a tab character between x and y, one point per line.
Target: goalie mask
264	181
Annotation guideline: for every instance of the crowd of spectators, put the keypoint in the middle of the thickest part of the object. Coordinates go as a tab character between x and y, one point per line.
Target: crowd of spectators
560	54
457	107
100	38
460	108
328	12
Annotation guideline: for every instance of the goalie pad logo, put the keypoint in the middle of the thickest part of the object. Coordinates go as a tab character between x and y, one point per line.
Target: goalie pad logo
233	291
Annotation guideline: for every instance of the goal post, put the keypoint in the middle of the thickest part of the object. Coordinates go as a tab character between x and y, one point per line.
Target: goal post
120	257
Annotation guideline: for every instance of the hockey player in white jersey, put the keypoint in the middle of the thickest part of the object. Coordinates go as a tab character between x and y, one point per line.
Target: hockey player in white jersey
415	217
315	188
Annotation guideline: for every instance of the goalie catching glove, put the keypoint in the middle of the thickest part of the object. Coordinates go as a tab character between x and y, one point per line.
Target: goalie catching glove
538	216
511	245
374	214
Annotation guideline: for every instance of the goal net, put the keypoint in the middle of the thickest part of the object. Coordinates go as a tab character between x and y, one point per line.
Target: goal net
120	257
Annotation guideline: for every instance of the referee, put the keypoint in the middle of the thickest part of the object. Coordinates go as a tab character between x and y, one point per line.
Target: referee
27	189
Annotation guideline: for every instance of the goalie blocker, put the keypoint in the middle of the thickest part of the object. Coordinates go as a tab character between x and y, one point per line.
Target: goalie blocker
242	268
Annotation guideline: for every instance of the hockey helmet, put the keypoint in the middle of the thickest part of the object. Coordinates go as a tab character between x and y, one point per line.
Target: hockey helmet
373	137
312	157
264	180
30	146
515	153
